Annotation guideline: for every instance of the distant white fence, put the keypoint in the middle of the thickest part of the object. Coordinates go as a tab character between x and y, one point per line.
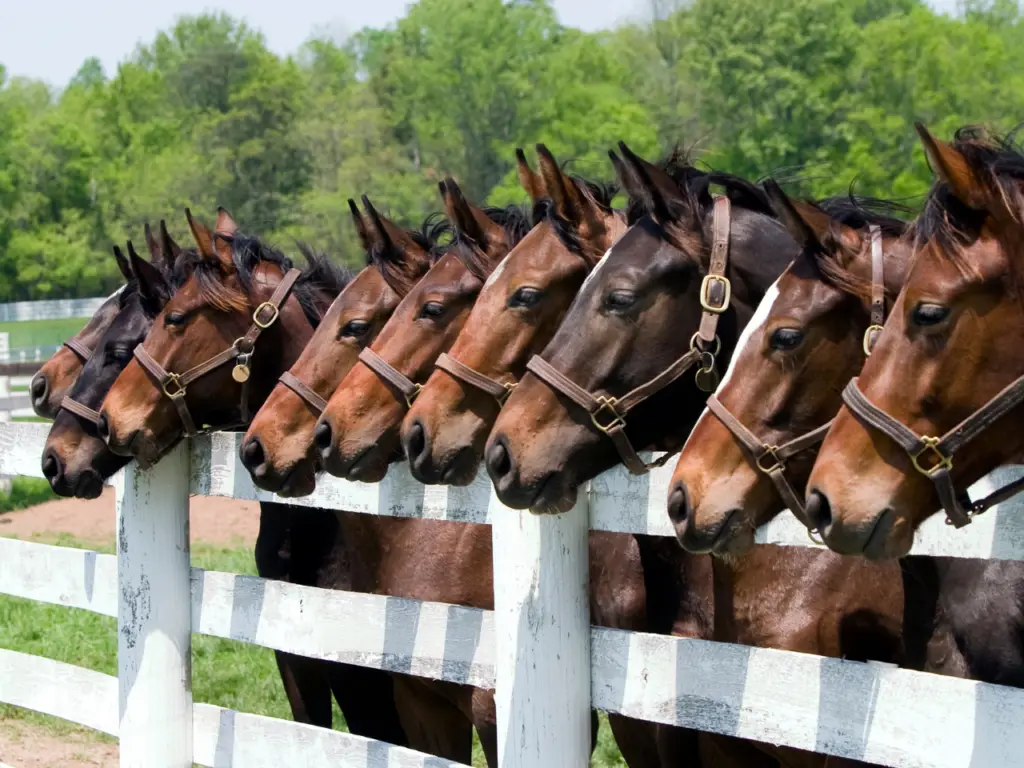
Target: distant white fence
49	309
536	648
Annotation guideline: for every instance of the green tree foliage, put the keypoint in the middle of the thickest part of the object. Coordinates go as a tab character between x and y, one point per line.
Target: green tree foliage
823	92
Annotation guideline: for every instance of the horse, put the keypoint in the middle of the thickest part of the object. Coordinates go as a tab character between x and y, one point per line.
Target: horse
936	406
53	380
75	460
278	449
630	325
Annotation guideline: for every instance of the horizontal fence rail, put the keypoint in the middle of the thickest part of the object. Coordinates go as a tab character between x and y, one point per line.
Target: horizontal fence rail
48	309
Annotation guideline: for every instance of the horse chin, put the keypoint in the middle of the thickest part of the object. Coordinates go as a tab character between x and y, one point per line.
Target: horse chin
556	495
300	481
891	538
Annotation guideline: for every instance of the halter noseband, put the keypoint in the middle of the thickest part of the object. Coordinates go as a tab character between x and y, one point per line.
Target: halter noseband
391	375
240	352
607	413
771	459
67	403
80	349
459	370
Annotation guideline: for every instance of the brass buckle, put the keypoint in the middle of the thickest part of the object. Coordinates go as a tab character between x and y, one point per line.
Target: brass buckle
869	338
705	293
417	388
509	386
931	444
607	404
769	451
263	325
174	379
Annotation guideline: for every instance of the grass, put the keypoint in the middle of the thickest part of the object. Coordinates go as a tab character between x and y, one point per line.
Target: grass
26	492
31	333
224	672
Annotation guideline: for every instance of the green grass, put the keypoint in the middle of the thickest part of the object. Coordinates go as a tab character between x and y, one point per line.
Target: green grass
39	332
26	492
224	672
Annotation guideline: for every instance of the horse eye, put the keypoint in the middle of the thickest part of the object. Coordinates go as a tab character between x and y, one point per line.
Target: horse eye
432	309
119	353
785	339
525	297
929	314
174	318
620	299
355	328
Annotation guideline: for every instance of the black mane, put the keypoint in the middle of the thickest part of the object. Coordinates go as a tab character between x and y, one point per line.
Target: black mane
861	212
515	222
602	192
434	236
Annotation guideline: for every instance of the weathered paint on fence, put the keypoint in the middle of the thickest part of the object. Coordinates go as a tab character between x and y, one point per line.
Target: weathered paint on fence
77	578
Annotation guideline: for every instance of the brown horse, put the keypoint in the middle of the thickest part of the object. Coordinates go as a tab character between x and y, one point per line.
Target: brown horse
55	377
516	314
646	296
946	351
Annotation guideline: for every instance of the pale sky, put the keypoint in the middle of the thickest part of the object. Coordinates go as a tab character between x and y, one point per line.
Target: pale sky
49	39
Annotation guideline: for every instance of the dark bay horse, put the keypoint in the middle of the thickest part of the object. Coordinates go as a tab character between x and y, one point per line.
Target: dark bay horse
953	343
642	305
55	377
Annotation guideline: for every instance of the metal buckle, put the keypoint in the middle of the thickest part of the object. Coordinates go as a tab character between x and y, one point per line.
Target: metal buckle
869	338
607	404
931	444
174	379
769	450
273	318
705	293
417	388
509	386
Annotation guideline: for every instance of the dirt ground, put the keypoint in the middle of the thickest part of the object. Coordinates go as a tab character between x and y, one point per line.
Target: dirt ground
224	522
212	520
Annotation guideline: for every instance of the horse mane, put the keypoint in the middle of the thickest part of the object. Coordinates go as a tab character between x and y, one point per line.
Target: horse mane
998	161
513	219
431	237
601	192
679	166
858	213
320	276
173	274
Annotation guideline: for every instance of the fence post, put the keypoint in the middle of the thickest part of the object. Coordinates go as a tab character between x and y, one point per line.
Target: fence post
154	632
542	623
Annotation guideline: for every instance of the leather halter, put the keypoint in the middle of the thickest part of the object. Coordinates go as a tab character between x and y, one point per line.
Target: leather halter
79	348
939	451
312	399
81	411
607	413
240	352
391	375
771	459
458	370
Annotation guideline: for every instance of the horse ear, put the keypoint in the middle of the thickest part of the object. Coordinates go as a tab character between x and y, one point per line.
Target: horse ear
380	225
202	235
122	264
156	253
663	196
365	236
571	202
468	219
528	178
170	248
224	230
807	225
152	286
952	168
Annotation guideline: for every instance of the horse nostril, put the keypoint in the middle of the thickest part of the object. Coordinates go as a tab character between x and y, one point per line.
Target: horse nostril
818	511
323	437
499	461
253	455
103	428
415	441
51	468
39	387
679	506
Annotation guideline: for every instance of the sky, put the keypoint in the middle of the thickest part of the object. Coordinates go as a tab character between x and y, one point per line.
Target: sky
49	39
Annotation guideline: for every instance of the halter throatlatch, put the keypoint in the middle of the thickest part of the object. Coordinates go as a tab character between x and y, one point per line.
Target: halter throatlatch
771	459
174	385
607	413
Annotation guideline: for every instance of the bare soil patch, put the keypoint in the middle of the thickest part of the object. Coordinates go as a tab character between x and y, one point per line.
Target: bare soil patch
26	745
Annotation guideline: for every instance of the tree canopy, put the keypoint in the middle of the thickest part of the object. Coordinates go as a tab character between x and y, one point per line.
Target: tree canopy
820	92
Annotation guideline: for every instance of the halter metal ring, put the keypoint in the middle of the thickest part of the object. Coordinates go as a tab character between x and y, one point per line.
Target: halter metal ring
705	293
179	388
264	324
869	338
717	342
931	444
607	404
417	388
770	453
509	387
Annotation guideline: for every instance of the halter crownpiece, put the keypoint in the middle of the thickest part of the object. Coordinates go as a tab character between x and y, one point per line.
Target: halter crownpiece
607	413
174	385
877	291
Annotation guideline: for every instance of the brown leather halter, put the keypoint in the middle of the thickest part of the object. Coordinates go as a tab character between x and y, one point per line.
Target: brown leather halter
458	370
82	411
312	399
391	375
771	459
607	413
80	349
240	352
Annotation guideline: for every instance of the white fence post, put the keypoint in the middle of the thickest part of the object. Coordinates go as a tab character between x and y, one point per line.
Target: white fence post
154	631
542	628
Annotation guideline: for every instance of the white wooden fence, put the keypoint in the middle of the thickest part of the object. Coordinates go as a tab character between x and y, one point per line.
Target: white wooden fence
48	309
537	649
